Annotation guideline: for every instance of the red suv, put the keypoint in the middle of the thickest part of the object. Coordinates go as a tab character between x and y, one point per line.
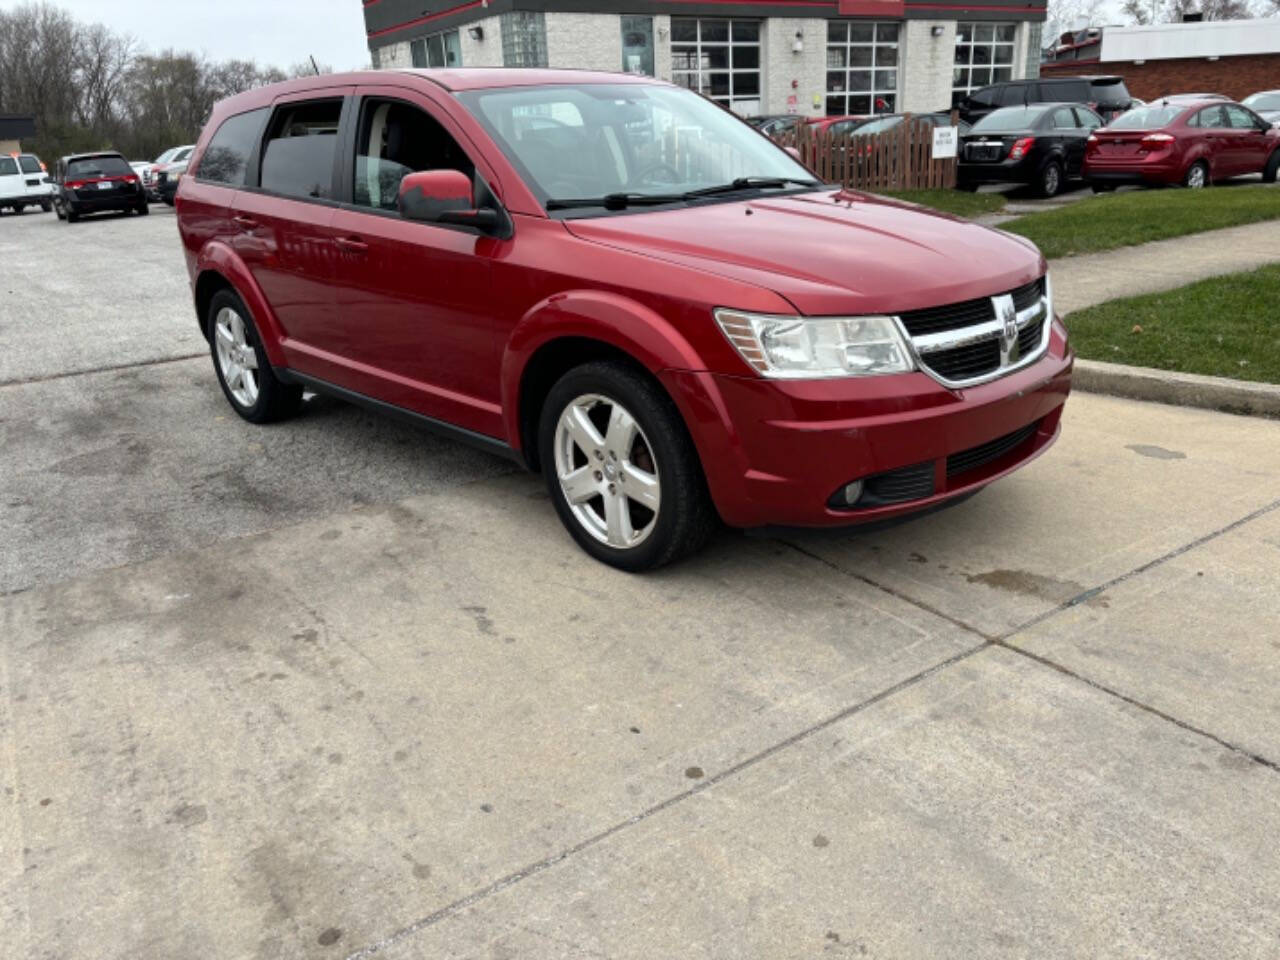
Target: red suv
1177	141
614	281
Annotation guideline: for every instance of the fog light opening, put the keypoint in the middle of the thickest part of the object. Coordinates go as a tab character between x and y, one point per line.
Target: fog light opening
851	493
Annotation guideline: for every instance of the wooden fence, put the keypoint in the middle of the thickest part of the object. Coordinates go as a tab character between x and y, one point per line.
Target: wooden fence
900	158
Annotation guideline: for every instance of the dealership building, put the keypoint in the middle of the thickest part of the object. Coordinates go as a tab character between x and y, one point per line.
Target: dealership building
813	57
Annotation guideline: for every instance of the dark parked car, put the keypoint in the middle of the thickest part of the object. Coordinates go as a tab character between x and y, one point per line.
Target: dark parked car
1265	104
1041	145
1107	96
1189	143
94	183
680	328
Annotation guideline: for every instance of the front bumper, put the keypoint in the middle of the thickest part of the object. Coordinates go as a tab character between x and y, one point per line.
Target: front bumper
774	452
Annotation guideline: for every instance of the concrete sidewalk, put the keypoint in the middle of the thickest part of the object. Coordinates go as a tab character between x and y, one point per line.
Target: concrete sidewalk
1093	278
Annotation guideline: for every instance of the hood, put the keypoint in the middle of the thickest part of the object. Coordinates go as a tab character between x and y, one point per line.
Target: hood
830	253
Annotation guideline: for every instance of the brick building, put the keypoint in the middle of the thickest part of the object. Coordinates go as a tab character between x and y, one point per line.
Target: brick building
1231	57
811	57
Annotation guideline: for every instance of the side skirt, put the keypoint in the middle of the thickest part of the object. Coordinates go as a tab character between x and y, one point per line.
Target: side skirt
479	441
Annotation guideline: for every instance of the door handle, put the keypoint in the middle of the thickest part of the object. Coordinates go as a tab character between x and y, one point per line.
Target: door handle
351	245
245	223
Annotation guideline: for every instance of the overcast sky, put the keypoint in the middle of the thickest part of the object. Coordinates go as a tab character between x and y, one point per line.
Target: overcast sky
274	32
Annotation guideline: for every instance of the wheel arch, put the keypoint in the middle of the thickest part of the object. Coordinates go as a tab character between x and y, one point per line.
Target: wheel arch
569	329
219	268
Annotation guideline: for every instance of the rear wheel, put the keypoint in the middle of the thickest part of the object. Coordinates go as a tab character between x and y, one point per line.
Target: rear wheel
1197	177
142	209
247	380
19	208
621	468
1272	168
1050	179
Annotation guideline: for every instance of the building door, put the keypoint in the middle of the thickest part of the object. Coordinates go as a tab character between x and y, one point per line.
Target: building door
637	45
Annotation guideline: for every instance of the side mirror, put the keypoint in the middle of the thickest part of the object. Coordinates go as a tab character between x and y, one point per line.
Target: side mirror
443	196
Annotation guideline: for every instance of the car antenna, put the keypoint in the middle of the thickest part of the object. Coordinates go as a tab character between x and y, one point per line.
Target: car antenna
314	66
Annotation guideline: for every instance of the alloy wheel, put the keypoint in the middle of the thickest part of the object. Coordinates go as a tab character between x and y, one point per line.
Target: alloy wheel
607	471
237	360
1196	177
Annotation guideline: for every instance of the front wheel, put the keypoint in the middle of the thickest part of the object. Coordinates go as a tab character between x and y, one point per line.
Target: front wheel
46	205
1197	177
621	468
1050	179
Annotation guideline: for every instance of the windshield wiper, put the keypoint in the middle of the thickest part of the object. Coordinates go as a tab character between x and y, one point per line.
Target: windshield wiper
620	201
751	183
615	201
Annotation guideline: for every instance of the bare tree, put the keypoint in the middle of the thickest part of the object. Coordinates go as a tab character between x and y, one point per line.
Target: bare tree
1061	15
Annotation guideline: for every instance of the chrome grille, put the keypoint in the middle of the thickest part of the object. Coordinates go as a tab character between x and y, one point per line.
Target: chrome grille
968	343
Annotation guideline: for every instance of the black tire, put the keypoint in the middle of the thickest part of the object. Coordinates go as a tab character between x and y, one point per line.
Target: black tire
142	208
967	187
72	216
1190	180
1049	183
168	201
685	518
275	400
1272	168
46	205
19	208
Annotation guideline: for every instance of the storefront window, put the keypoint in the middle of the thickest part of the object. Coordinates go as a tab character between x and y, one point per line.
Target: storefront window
437	50
862	67
637	45
719	59
984	55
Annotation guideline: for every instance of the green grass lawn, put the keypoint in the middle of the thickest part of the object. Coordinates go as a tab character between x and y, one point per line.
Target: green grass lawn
951	201
1226	326
1120	220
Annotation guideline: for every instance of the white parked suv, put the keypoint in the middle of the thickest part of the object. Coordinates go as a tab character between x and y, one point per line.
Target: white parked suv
24	183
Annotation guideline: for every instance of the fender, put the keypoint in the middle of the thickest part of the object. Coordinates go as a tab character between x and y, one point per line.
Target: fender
616	320
218	257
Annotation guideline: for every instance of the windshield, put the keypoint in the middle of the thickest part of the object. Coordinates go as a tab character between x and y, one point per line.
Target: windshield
877	126
1146	118
594	140
1263	101
166	156
98	167
1008	119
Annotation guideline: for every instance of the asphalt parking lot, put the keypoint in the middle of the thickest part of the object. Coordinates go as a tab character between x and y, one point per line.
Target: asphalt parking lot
336	688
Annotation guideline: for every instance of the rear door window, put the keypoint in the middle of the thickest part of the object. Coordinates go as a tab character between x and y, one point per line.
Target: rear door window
1212	118
1087	118
300	149
1240	118
1064	119
29	164
226	159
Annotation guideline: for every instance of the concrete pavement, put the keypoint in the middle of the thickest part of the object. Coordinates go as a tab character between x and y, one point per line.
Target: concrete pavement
332	689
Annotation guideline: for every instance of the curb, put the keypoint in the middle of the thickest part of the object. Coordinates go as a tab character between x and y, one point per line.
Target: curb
1179	389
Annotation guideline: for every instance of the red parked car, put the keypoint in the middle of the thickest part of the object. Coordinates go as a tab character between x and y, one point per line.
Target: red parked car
613	281
1173	141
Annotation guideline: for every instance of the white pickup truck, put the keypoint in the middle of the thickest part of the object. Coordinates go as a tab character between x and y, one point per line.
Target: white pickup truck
24	183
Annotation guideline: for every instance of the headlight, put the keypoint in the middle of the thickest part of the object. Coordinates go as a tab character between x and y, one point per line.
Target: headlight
803	348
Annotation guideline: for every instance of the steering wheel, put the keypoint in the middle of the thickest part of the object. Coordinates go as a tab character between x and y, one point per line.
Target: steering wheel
659	167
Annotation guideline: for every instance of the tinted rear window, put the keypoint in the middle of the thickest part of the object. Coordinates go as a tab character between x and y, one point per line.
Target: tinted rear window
29	163
300	149
1145	118
1110	92
8	166
1007	119
226	159
98	167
